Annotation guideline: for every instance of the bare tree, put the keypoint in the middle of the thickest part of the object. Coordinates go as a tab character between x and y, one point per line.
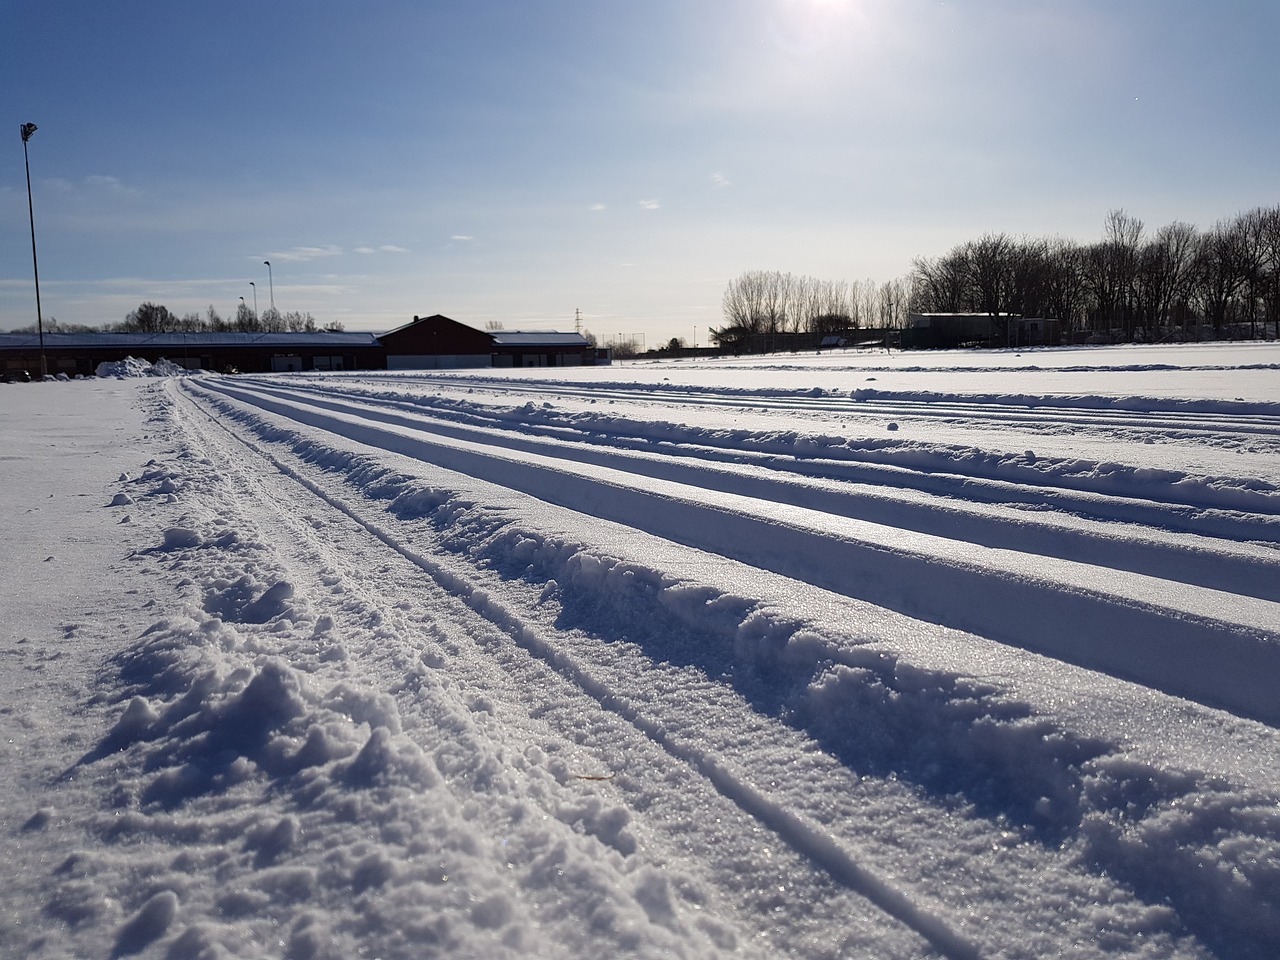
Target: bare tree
1110	267
832	308
1252	227
149	318
1065	294
775	300
1223	268
1164	276
296	322
245	321
943	284
743	302
806	304
1267	280
214	322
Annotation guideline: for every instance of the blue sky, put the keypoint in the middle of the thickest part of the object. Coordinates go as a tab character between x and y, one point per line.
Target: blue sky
517	161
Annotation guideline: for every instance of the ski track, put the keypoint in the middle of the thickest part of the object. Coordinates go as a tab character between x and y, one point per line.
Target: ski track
795	841
1057	609
1191	418
502	633
1109	491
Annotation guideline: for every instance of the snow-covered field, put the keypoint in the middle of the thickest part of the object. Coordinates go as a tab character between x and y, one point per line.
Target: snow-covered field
870	655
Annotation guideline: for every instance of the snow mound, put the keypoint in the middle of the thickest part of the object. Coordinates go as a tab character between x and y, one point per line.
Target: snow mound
133	367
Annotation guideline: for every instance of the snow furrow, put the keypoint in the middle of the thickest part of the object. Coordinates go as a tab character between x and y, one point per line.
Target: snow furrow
1106	490
777	647
783	816
796	834
876	493
802	835
1056	610
1143	413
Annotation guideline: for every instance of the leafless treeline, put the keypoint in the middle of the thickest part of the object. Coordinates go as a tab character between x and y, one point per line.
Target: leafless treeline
156	318
1129	285
771	302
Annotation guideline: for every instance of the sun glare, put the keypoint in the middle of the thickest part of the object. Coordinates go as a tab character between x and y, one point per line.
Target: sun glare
807	27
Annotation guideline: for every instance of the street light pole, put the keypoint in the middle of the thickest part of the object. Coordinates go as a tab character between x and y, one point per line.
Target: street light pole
255	299
271	286
27	130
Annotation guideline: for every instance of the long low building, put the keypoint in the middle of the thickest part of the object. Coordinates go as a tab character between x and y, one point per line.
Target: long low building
78	354
426	343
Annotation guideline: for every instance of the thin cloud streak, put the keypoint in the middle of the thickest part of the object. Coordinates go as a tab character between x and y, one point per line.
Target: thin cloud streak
385	248
305	254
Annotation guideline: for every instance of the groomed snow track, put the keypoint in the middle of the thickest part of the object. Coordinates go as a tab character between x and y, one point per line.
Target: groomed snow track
858	716
1164	622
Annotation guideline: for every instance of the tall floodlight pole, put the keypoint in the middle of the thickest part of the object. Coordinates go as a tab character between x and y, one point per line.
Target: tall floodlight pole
27	130
271	286
255	299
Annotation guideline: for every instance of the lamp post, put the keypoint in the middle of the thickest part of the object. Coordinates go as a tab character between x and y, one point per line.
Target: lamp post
255	299
271	286
27	130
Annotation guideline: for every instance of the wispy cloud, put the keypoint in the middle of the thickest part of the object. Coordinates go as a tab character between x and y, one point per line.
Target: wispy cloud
385	248
650	204
597	206
114	184
302	254
462	237
719	180
95	185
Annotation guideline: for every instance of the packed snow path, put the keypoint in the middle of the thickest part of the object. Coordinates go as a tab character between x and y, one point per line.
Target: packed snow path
1205	643
472	667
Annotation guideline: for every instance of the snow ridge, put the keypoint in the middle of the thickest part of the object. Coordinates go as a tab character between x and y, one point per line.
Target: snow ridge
962	736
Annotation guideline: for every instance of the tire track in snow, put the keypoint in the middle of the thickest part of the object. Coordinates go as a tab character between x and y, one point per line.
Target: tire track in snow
796	831
1213	557
1163	416
372	480
1140	628
1104	491
448	718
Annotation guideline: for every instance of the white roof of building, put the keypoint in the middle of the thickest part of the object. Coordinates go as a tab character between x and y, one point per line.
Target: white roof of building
538	338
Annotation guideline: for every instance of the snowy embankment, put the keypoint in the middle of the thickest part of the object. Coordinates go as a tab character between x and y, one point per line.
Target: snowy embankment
473	666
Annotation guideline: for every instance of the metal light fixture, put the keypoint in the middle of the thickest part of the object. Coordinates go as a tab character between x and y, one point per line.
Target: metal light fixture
27	130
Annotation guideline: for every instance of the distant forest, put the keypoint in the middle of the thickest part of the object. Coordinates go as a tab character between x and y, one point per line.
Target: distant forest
1176	283
155	318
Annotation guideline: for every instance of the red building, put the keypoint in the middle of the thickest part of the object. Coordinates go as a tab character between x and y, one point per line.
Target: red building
437	342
